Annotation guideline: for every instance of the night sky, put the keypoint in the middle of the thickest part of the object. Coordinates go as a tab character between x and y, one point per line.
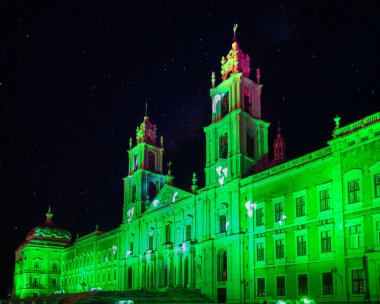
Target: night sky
74	79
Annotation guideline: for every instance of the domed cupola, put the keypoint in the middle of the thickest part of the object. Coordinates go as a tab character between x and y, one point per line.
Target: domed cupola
48	232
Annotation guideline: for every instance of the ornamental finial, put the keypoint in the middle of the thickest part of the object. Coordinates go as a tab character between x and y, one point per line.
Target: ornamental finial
258	75
213	79
162	141
146	108
170	168
130	143
337	121
235	28
194	180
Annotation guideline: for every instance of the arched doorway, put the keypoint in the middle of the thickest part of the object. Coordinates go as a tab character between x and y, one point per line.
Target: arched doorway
222	275
129	286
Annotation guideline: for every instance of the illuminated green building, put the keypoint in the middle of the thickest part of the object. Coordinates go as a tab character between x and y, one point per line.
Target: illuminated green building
259	229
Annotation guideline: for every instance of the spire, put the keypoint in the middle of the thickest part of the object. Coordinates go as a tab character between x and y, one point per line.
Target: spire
169	177
49	217
146	132
236	61
234	29
279	148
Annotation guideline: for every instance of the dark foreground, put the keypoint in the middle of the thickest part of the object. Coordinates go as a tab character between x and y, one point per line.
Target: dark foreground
173	295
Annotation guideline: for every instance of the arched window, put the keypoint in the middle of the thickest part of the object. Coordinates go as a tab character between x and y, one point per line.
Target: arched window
151	161
250	144
223	146
225	105
247	103
168	233
129	277
222	266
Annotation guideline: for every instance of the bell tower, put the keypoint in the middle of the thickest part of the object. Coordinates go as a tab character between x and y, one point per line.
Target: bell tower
237	138
145	178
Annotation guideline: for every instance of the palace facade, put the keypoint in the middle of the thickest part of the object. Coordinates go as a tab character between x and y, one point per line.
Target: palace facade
259	229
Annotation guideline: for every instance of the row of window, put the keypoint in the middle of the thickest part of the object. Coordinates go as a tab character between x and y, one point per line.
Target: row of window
37	266
357	284
168	236
355	241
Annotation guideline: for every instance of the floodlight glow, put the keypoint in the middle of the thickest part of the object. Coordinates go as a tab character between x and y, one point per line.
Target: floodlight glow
219	170
221	180
129	252
225	172
114	249
174	197
155	203
184	248
282	220
227	224
215	101
130	213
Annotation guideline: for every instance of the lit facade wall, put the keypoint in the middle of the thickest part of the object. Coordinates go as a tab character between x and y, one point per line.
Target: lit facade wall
309	227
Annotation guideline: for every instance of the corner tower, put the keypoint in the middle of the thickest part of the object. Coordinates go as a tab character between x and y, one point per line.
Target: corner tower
237	138
145	177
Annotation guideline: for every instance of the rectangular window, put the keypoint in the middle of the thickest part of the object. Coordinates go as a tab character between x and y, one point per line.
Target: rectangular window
326	241
324	199
35	282
378	233
259	217
327	283
280	249
357	282
150	247
353	192
188	232
54	267
302	285
36	266
278	212
261	287
53	282
280	286
377	185
301	245
131	247
300	206
260	251
168	232
222	223
355	236
114	274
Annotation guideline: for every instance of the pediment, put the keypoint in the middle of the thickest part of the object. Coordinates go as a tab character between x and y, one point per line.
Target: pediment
167	196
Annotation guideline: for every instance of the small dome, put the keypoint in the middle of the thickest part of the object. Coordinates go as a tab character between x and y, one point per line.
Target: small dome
48	231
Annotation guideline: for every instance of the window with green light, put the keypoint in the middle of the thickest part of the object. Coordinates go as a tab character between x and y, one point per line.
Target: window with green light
280	249
324	199
302	285
222	223
259	216
188	232
326	241
327	283
280	284
353	191
261	287
260	252
357	282
278	211
377	185
355	236
301	245
300	206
